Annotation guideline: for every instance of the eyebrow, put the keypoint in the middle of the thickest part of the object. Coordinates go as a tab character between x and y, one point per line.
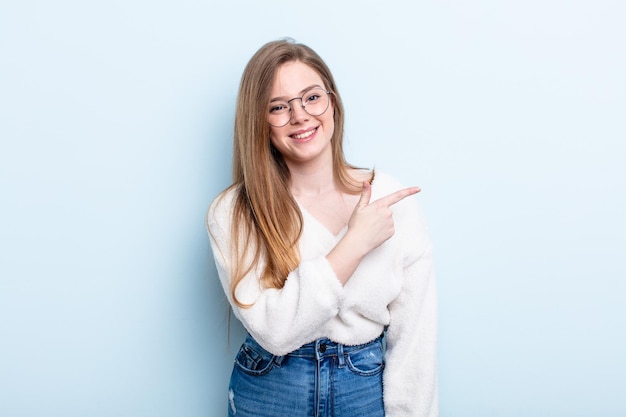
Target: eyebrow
312	86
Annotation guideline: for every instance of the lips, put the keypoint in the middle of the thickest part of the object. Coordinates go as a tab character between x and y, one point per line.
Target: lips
303	135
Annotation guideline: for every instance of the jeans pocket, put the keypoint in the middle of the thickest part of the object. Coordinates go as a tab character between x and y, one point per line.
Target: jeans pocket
254	360
367	361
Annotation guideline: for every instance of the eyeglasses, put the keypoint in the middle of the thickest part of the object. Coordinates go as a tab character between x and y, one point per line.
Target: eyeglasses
315	102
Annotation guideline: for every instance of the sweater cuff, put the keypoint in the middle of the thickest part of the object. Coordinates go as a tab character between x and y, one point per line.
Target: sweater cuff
324	284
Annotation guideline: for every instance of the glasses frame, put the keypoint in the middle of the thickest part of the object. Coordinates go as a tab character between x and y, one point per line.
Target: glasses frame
328	93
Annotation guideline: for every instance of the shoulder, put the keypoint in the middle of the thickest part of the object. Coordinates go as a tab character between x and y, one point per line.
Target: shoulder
385	183
410	222
221	208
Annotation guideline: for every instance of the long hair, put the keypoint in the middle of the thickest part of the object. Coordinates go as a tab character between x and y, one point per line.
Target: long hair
266	217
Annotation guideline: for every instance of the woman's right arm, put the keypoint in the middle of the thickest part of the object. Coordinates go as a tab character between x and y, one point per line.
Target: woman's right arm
284	319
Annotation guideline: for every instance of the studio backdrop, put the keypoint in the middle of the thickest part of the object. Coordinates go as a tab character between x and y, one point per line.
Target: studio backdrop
116	127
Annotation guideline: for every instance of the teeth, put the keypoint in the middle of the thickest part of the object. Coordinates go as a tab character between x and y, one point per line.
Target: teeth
305	134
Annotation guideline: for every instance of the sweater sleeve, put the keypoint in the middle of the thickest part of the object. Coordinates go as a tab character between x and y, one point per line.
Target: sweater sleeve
284	319
410	378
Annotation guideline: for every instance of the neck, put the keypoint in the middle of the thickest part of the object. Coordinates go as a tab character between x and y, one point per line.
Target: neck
311	181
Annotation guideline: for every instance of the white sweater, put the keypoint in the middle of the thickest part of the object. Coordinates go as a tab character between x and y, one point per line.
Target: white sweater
393	286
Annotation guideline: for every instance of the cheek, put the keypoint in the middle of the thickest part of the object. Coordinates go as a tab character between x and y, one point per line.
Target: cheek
330	114
330	125
275	136
275	132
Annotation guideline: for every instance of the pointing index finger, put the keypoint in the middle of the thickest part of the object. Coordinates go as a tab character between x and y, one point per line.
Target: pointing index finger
397	196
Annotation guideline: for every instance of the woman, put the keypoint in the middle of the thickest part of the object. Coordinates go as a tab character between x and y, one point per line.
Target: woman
327	266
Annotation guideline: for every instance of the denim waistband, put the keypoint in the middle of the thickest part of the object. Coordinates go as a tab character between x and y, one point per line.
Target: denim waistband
324	347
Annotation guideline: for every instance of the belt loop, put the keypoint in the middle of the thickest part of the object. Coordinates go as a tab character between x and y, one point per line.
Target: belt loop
319	351
278	360
342	359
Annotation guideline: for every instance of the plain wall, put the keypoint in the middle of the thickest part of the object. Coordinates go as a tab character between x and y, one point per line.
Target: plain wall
116	125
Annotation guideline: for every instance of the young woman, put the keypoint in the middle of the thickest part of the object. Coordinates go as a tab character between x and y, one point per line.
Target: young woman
327	266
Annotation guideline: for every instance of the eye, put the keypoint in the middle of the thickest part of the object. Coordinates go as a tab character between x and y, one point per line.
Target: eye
312	98
279	108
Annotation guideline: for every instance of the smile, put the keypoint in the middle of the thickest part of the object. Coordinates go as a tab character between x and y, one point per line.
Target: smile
301	136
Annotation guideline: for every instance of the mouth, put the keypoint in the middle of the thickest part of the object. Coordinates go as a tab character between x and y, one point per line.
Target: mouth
303	136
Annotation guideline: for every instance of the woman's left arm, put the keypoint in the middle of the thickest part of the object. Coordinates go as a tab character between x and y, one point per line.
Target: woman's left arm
410	377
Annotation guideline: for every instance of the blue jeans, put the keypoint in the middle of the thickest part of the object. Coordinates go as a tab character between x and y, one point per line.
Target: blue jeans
321	379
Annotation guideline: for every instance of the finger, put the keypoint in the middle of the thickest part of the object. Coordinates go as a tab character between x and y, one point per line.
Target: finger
366	194
393	198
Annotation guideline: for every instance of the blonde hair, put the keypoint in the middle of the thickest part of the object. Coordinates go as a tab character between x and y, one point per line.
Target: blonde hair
266	218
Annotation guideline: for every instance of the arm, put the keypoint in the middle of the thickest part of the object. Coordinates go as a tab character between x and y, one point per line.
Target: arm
284	319
280	319
410	377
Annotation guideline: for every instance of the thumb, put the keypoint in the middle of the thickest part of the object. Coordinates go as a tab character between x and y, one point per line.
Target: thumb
366	194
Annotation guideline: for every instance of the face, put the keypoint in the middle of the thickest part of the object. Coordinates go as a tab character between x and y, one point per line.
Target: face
306	139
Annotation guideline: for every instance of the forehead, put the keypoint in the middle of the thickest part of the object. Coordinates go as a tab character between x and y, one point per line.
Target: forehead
293	77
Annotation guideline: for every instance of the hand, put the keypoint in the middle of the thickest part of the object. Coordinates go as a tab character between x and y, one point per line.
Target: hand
371	224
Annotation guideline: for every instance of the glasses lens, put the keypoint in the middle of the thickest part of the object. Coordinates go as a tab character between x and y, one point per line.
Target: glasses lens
315	101
279	113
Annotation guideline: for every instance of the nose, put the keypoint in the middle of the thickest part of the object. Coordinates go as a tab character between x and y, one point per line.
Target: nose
298	113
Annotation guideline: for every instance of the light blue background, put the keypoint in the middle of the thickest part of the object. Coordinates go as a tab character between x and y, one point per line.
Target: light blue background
115	127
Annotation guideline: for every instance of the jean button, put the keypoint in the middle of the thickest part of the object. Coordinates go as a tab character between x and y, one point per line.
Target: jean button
323	347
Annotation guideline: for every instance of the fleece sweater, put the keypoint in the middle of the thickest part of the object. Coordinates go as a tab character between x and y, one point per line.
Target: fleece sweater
393	287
